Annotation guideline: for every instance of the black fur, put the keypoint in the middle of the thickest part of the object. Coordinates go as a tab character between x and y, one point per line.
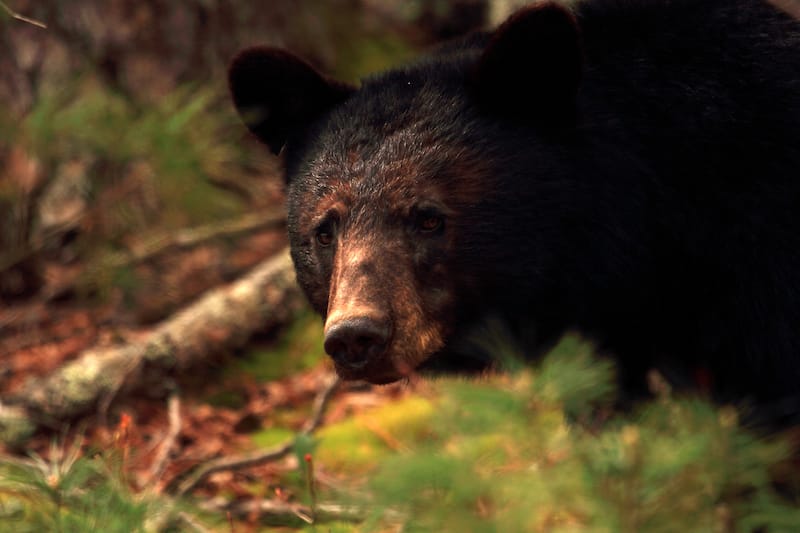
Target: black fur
657	212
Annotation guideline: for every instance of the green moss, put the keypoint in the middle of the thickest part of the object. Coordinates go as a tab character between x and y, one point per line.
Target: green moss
299	348
358	444
272	437
347	447
331	527
405	421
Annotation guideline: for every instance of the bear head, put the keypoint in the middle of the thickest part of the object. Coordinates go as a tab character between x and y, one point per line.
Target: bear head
401	189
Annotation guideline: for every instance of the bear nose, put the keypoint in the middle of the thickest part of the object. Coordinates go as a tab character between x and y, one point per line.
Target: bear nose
353	342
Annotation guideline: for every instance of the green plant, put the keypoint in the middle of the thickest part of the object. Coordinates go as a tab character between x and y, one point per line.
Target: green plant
68	492
542	449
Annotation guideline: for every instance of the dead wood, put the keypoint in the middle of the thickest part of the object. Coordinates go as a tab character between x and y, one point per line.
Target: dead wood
223	319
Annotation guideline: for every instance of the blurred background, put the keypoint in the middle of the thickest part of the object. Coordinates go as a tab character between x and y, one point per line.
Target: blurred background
115	120
128	186
130	192
150	329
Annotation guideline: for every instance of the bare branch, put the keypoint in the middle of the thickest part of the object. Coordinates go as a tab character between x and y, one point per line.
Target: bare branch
191	237
239	462
321	405
286	513
236	462
13	14
192	522
160	462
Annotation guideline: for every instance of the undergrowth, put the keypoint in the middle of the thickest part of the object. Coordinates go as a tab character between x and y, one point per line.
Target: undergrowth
538	449
543	450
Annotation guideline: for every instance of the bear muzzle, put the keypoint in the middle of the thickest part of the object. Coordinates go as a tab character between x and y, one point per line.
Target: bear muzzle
358	346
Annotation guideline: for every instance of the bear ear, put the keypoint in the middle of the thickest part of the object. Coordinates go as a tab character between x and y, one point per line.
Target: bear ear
532	66
277	94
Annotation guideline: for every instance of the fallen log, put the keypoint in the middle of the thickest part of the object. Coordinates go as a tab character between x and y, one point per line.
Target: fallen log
221	320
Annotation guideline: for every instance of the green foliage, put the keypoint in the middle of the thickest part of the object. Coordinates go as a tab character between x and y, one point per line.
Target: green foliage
343	33
574	378
68	493
133	167
539	451
181	138
299	348
267	438
356	445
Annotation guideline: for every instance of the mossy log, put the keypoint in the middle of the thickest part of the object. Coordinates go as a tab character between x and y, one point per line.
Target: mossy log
223	319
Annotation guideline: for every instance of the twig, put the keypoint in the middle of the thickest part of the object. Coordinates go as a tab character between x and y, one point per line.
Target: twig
160	462
238	462
159	244
286	513
13	14
190	237
229	516
190	521
320	405
151	247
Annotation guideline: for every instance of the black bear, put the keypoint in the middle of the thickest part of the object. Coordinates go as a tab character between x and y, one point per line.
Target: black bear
626	169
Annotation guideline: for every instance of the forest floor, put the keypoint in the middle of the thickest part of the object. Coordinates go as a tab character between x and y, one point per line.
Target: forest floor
243	400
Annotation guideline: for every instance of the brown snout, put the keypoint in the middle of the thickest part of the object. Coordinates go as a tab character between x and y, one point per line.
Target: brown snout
355	341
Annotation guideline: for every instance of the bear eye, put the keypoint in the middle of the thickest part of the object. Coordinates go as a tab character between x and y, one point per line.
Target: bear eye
324	234
324	238
429	222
